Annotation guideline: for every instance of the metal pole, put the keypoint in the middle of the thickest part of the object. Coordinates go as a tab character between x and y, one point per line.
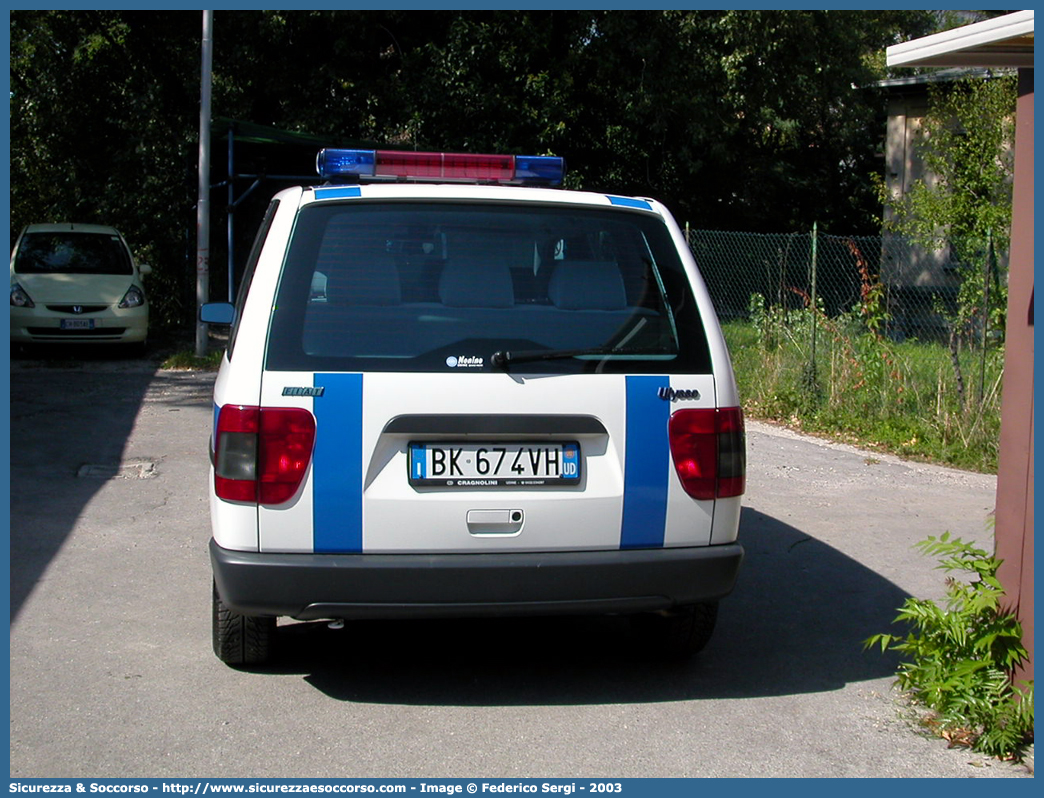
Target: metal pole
990	255
231	208
815	244
203	203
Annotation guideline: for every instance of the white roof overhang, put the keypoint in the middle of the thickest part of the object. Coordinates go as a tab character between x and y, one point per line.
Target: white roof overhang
1005	41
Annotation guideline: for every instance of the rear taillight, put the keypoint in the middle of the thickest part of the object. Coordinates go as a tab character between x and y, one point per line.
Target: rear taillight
709	450
262	454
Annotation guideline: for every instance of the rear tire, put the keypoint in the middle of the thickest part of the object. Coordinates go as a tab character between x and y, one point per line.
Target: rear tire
679	633
240	639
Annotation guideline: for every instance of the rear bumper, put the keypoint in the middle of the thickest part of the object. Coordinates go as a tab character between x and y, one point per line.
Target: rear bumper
315	586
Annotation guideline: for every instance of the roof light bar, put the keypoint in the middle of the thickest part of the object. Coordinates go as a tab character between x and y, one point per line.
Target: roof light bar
372	165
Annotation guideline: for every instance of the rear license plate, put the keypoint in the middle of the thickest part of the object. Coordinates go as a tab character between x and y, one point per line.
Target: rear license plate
472	466
77	324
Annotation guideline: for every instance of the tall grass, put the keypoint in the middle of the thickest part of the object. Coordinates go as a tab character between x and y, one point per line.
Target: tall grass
904	398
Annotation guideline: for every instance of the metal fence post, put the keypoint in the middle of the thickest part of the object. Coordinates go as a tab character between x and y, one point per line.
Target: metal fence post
203	203
989	262
815	240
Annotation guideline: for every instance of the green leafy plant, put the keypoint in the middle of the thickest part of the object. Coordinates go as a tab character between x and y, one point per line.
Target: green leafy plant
768	321
962	655
188	361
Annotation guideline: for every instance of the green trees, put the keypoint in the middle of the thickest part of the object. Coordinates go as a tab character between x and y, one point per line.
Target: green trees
740	120
104	109
967	144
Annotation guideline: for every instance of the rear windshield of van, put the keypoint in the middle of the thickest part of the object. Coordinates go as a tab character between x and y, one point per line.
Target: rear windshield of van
72	253
431	287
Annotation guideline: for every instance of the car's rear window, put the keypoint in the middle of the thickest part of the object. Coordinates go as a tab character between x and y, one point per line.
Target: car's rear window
72	253
431	287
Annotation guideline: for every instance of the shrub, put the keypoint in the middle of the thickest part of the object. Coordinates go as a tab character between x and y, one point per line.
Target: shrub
962	656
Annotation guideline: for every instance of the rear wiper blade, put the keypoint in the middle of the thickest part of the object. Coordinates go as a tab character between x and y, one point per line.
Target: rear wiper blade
505	358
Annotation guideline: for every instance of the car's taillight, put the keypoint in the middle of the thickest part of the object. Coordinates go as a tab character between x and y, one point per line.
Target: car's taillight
708	446
262	454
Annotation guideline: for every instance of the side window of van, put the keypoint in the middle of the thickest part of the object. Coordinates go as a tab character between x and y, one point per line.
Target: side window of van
248	272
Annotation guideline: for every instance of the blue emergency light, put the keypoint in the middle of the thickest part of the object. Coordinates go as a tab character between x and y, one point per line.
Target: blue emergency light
543	170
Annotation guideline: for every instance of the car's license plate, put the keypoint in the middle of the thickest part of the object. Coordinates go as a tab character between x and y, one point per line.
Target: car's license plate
77	324
495	465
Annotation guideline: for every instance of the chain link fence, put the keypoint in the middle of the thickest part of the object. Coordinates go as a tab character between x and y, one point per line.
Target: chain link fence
919	291
863	328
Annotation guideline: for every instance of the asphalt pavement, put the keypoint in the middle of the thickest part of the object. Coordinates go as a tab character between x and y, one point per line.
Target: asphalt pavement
112	674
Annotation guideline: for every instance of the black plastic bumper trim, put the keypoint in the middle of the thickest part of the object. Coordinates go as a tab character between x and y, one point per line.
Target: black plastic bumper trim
316	586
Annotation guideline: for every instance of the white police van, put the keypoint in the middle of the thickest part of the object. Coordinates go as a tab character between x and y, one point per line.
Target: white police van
453	389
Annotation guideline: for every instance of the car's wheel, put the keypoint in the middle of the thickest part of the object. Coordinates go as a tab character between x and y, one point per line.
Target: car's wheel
679	633
240	639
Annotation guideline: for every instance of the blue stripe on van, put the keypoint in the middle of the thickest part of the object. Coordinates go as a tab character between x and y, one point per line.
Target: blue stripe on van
646	464
337	478
338	192
629	202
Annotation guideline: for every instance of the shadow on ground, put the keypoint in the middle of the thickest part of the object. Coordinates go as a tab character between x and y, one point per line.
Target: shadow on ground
794	624
72	410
